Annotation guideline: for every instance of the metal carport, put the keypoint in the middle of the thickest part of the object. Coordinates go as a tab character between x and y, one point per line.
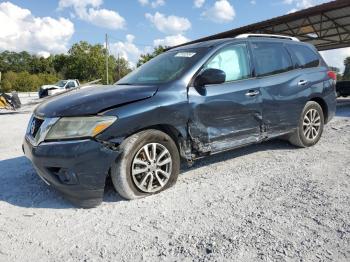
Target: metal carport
326	26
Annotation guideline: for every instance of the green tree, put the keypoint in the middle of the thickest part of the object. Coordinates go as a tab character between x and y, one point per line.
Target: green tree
60	64
86	62
337	71
24	81
17	62
146	57
346	75
25	72
122	68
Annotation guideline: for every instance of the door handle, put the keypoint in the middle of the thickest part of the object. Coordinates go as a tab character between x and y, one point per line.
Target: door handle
302	83
252	93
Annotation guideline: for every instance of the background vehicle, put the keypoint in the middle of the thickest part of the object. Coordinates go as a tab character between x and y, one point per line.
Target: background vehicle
343	88
189	102
59	87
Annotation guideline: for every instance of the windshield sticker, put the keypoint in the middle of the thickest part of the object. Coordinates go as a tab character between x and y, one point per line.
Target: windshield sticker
185	54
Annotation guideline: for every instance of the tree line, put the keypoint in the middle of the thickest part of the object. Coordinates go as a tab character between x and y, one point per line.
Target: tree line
26	72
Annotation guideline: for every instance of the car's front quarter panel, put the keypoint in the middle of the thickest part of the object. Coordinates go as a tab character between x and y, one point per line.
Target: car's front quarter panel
169	106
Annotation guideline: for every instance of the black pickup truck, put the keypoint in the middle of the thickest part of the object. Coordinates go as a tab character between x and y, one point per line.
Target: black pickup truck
343	88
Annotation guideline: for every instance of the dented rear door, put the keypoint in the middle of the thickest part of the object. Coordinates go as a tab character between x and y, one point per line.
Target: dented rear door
226	115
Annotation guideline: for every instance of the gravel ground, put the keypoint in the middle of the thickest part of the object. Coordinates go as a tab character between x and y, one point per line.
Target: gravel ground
268	202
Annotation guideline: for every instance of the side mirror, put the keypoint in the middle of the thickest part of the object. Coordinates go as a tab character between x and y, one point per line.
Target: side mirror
210	76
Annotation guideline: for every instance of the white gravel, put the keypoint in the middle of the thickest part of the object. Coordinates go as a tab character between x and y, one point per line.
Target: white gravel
269	202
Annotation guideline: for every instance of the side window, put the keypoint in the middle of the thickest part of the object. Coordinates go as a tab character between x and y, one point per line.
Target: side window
71	84
303	56
233	60
271	58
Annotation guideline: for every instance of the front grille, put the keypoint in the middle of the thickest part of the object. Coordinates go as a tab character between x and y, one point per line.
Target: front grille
35	126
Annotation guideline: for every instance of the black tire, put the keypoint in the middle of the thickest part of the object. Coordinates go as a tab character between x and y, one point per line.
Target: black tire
121	170
298	137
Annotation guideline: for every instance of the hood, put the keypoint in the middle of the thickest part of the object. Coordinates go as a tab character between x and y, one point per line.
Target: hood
48	86
93	100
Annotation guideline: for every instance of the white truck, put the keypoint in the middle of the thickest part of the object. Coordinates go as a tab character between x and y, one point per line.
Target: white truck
59	87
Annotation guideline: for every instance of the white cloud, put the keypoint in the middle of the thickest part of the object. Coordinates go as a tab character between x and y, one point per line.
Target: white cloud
336	57
104	18
169	24
302	4
153	4
199	3
171	40
253	2
90	11
144	2
221	12
127	49
79	3
41	35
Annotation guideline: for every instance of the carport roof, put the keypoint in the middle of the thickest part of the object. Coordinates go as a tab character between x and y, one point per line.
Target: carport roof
326	26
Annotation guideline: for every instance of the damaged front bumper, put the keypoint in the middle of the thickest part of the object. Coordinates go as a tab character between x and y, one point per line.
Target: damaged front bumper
77	168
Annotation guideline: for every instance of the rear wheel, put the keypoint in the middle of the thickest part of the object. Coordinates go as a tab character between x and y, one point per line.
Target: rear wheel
310	126
148	164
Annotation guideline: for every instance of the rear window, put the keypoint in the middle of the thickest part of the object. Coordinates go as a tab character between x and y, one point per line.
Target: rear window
303	56
271	58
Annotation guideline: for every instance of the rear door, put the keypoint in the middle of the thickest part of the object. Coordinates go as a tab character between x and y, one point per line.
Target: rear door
229	114
282	97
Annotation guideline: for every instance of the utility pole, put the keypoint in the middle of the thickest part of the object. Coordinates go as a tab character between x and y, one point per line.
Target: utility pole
107	55
118	66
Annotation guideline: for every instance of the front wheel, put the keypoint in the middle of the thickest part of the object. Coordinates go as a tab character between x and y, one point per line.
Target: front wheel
310	126
148	164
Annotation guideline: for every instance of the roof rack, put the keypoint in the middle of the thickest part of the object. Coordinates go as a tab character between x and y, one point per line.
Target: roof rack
269	36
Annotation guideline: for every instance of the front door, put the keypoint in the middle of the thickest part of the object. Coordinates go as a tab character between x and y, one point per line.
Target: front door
226	115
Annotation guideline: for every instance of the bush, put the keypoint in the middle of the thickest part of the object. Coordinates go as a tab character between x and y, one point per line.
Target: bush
25	82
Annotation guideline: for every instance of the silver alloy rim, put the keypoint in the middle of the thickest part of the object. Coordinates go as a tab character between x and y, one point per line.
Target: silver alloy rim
311	124
151	167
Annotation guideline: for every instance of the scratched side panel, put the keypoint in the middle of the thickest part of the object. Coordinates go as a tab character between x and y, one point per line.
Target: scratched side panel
223	117
284	99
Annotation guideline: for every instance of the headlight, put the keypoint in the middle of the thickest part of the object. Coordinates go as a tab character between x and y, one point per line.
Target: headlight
77	127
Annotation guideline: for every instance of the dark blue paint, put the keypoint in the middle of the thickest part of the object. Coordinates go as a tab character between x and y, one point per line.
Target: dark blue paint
203	120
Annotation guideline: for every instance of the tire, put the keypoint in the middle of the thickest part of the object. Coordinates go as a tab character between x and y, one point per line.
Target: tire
300	137
123	171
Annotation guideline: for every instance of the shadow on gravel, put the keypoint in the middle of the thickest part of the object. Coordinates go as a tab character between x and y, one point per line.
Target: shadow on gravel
21	186
272	145
343	107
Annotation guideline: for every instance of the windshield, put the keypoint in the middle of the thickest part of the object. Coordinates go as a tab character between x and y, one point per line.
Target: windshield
61	83
164	68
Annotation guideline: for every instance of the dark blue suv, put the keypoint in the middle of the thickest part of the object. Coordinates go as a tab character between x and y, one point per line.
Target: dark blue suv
189	102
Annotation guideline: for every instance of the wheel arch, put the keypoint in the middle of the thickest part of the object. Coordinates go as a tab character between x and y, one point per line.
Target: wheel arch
178	136
323	105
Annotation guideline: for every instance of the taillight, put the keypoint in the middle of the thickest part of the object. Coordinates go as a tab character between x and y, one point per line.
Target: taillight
332	75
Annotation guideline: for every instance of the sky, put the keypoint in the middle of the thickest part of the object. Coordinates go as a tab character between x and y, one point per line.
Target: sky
134	27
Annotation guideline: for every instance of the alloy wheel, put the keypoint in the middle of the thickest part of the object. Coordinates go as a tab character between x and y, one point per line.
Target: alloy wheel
151	167
311	124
